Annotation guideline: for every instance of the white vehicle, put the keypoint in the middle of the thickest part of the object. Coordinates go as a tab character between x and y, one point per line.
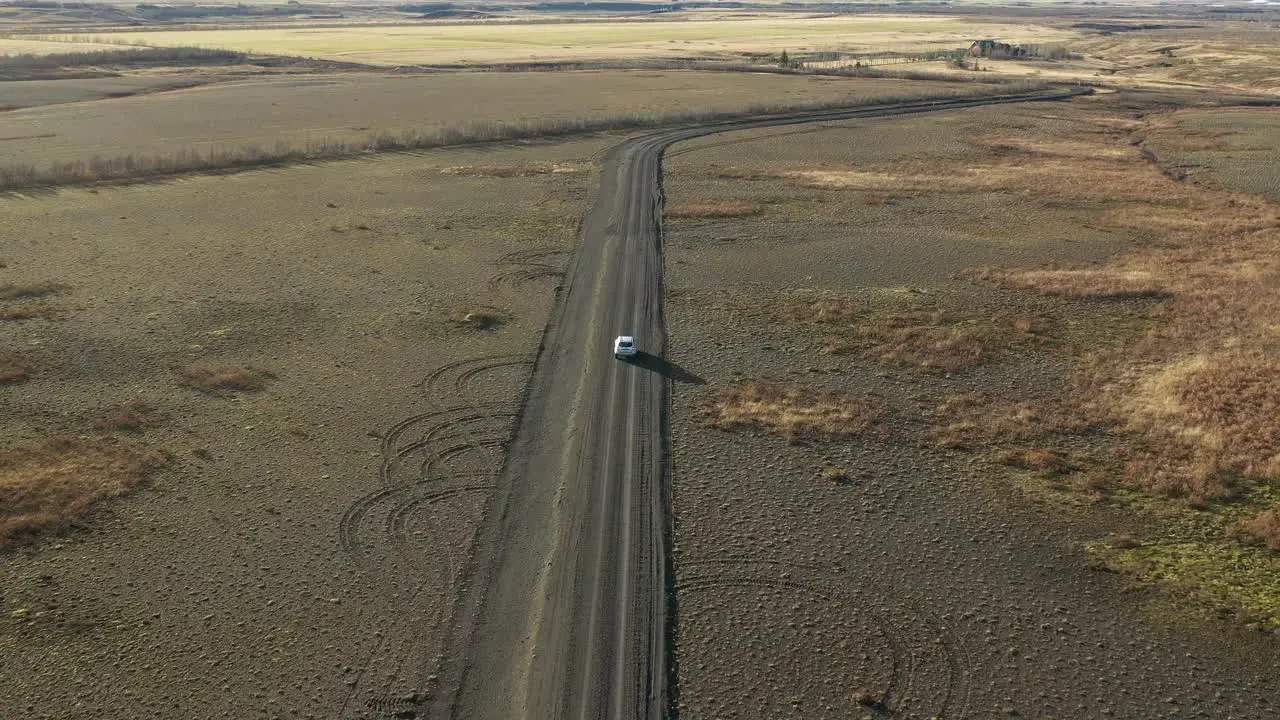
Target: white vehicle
624	347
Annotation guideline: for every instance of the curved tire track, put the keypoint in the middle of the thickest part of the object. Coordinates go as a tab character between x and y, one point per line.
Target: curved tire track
438	465
922	647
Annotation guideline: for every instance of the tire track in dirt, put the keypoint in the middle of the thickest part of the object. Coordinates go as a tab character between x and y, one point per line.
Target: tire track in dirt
532	264
929	671
456	377
436	465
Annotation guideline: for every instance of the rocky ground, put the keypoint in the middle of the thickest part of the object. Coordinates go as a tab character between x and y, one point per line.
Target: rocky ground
298	554
876	574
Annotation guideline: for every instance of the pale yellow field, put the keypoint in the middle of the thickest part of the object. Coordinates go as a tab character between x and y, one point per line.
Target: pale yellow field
14	46
496	42
1233	56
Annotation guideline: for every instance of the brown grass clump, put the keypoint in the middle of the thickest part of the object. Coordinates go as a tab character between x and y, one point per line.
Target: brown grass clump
26	311
481	319
1100	283
1083	149
1263	529
923	339
793	412
714	209
836	475
1209	421
52	487
972	420
23	291
1049	175
222	379
928	339
826	311
13	368
134	417
1043	461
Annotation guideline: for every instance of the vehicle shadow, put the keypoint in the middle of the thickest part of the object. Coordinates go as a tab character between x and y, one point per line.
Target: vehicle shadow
665	368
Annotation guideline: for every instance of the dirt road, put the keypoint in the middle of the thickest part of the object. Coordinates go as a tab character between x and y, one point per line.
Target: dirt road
566	612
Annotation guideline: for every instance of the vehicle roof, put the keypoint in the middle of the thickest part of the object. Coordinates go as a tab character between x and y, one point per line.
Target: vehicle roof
627	338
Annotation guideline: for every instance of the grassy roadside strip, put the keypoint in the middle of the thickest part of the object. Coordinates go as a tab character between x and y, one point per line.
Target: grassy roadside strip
25	176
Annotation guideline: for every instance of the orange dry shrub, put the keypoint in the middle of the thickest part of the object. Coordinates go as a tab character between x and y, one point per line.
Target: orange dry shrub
1197	399
51	487
221	379
792	411
1263	528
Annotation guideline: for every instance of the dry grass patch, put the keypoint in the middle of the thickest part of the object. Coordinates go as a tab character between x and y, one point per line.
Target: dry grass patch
1263	529
974	420
825	311
738	173
52	487
26	291
134	417
1100	283
26	311
714	209
1210	423
926	339
929	339
838	476
223	379
1187	410
1197	398
1043	461
1080	149
1081	178
794	412
13	367
504	171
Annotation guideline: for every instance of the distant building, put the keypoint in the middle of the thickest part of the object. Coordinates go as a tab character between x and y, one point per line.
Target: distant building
995	48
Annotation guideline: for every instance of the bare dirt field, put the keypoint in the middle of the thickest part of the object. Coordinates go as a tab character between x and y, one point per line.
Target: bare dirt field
875	513
297	384
297	110
483	43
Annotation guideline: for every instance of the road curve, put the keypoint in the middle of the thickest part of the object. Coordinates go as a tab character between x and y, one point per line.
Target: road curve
565	614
